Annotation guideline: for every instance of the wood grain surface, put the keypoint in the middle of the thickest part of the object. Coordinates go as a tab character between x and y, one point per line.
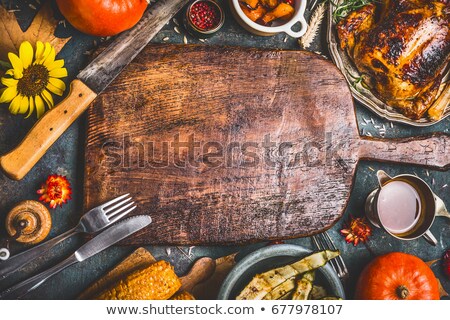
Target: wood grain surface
230	145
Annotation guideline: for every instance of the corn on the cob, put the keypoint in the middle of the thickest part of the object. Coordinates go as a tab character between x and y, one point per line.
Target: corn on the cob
183	295
157	282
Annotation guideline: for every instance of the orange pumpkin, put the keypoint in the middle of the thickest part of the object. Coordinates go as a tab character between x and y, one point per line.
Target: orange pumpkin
102	17
397	276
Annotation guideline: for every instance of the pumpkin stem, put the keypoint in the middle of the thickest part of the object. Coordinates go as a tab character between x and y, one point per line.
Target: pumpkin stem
402	292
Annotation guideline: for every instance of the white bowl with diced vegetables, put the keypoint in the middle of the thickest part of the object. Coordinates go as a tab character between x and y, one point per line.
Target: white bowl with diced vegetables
293	11
285	272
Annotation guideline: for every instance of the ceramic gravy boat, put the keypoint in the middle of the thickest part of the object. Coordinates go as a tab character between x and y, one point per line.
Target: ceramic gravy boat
430	206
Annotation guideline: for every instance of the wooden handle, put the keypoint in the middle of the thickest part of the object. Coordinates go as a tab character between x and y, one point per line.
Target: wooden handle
202	269
209	289
432	150
17	163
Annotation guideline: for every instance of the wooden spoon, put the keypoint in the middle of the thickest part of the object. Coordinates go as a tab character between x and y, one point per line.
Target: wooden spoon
200	271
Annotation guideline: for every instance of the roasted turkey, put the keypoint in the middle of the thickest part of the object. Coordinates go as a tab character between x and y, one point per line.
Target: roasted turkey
401	48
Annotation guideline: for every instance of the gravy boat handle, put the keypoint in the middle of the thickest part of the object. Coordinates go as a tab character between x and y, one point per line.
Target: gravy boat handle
441	210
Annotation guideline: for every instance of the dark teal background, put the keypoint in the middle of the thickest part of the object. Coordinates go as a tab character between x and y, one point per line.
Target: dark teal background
67	157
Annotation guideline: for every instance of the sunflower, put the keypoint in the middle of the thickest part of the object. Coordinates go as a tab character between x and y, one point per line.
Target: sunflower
29	83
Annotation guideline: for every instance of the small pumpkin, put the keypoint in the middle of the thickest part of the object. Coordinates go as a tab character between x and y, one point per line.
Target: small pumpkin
102	17
397	276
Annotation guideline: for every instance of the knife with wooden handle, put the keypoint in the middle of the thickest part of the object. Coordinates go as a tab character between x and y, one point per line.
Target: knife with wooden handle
89	84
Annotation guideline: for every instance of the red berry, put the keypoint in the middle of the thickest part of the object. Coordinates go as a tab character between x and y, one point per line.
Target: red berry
204	15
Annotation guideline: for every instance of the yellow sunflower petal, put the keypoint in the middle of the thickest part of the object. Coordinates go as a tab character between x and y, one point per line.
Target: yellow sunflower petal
50	58
54	89
26	54
56	86
56	65
47	98
45	53
9	82
40	108
24	104
10	72
58	73
15	105
47	49
31	109
17	65
39	50
9	94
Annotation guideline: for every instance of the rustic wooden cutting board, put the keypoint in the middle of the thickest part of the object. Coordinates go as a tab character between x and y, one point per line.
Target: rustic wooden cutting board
231	145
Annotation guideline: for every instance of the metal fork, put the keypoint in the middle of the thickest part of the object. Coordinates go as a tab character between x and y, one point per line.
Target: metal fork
92	221
323	242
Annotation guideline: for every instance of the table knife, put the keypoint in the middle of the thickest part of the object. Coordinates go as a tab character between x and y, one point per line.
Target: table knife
99	243
89	83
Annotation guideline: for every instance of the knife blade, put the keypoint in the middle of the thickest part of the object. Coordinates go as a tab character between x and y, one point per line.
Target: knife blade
89	83
111	236
102	241
104	69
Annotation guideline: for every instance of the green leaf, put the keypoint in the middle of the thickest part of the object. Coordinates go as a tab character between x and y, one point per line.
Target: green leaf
5	65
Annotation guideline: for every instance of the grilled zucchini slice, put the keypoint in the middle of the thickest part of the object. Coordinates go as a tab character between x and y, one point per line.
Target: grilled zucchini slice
265	282
304	286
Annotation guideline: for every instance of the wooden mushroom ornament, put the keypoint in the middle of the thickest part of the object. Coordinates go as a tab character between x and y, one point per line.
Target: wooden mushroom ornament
29	222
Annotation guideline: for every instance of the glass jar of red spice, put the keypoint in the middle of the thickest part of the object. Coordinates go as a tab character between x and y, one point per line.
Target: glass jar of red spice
204	17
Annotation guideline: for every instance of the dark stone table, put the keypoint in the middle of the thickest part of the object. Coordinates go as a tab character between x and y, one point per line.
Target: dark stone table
66	157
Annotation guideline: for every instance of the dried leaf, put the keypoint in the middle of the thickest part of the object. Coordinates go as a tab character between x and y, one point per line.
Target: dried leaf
42	28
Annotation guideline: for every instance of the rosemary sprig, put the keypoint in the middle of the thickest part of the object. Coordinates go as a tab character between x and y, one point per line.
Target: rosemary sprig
358	82
343	8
